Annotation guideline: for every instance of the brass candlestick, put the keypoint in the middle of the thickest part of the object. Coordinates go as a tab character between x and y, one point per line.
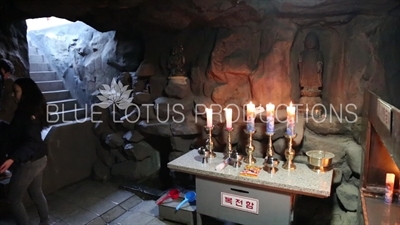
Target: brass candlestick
228	153
210	143
289	154
270	162
231	156
249	159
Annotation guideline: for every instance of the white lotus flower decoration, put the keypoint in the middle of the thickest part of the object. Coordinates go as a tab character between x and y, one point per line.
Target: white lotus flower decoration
116	94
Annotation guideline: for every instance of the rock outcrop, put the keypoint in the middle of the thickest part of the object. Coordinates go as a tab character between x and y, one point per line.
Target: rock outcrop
14	46
248	52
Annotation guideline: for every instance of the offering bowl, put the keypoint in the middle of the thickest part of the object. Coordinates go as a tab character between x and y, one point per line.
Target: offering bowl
320	160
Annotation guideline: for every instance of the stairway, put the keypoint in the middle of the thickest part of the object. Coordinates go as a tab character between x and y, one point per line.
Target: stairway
61	106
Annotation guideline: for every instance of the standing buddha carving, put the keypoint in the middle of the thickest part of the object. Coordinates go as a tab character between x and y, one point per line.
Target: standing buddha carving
176	62
311	63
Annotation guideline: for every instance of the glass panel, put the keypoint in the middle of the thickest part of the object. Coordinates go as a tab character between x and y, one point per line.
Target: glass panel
380	163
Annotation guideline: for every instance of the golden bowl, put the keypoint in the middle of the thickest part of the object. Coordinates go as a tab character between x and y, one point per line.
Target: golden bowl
320	160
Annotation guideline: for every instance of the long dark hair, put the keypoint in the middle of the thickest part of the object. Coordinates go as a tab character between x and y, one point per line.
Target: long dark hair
32	102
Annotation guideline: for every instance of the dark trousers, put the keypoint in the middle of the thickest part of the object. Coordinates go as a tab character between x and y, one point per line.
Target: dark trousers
28	177
3	139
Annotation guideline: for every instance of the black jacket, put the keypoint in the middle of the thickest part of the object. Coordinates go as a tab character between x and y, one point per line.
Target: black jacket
8	103
24	139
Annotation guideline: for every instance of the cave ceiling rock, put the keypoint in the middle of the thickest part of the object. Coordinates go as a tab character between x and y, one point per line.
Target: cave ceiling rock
107	15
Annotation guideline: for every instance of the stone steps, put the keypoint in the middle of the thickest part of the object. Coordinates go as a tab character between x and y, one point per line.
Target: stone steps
61	107
56	95
43	76
67	116
36	58
33	50
51	85
38	67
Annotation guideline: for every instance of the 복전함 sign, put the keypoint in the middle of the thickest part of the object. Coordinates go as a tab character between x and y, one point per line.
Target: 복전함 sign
239	202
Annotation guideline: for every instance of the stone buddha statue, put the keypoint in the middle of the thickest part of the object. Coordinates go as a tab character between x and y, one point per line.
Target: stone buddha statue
311	67
176	62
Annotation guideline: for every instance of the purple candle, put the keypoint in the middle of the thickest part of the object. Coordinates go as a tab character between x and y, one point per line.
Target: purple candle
270	118
291	114
251	115
250	124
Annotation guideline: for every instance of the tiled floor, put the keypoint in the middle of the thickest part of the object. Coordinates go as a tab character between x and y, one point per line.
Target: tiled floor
94	203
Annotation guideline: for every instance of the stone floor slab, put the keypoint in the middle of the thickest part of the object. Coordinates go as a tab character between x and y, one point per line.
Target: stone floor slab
62	210
113	213
97	221
147	207
80	217
131	202
100	207
156	221
133	217
118	196
83	199
102	190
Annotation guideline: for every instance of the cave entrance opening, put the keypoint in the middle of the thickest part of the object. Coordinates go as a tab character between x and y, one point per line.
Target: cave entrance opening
45	22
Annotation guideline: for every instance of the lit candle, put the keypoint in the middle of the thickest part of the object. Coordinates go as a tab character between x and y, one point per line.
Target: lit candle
317	113
250	111
291	114
270	118
307	111
228	118
389	188
209	113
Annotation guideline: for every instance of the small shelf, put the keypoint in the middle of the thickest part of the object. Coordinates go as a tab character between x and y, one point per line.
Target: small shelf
375	210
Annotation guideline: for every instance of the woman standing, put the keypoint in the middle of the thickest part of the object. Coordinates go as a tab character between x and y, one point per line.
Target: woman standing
27	151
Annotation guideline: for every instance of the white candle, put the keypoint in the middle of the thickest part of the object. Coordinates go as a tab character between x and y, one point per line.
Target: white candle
291	115
209	113
389	188
270	109
317	113
228	118
270	118
307	111
250	111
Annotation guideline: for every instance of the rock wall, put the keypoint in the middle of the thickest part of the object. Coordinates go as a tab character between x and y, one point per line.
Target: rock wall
342	206
249	51
388	54
177	14
69	161
258	61
14	47
86	58
247	62
253	61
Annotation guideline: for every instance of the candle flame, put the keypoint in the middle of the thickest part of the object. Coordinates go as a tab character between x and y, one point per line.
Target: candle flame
291	104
